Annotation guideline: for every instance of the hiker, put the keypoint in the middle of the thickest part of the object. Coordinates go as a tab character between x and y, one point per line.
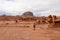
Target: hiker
34	26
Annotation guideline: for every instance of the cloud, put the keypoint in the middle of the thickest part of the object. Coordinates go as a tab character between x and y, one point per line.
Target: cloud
7	0
42	7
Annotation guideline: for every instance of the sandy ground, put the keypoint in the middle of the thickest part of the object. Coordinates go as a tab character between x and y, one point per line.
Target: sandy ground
27	33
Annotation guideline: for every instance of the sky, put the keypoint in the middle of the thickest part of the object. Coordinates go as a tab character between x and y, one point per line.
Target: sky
38	7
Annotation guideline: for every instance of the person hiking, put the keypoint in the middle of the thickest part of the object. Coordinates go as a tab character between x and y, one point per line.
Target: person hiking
34	26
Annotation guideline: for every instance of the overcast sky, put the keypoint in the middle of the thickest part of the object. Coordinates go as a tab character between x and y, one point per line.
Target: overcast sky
38	7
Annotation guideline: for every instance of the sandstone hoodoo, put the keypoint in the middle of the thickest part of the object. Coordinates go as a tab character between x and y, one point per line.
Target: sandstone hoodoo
27	13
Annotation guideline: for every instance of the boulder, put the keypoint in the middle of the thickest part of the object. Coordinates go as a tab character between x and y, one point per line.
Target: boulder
28	14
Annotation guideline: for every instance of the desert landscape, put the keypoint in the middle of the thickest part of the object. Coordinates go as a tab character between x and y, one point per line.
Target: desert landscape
29	27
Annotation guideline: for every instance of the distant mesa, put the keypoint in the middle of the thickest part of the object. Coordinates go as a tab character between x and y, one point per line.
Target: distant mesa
28	14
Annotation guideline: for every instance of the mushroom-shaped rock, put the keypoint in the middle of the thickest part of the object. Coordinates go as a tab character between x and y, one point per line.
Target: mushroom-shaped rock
28	14
50	19
50	16
54	16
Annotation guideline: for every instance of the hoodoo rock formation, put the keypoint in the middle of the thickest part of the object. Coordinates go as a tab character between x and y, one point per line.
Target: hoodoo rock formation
28	14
